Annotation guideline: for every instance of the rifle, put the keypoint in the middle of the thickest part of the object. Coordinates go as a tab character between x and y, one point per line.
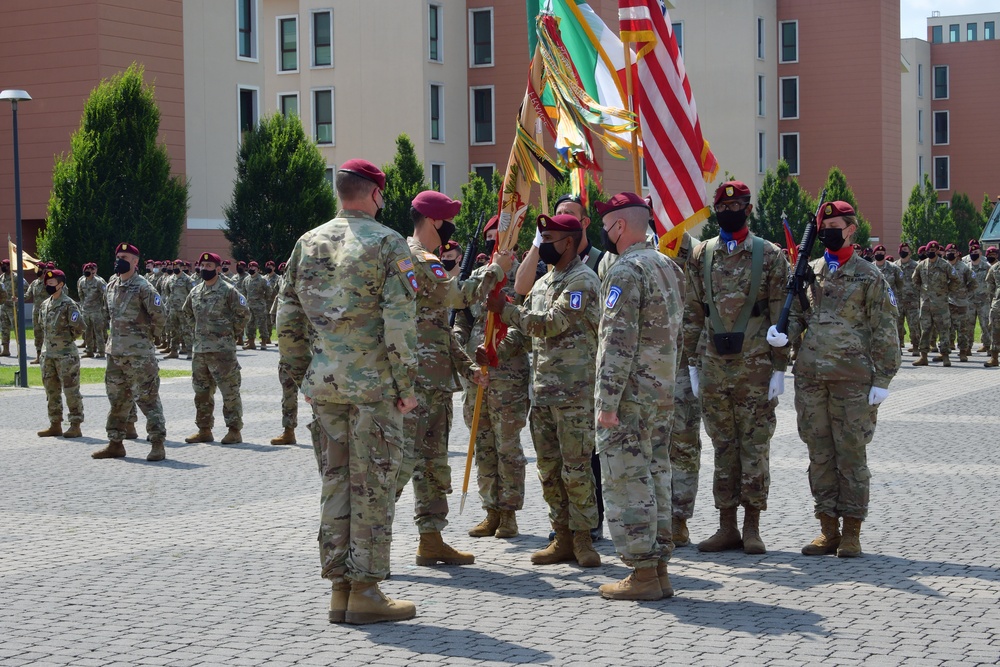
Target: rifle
801	275
468	261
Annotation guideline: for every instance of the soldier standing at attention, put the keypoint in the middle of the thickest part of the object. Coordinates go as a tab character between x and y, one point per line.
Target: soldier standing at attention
256	289
936	281
641	312
960	303
132	375
980	301
177	324
218	312
36	294
289	389
91	289
346	325
892	274
62	321
735	290
7	281
272	293
847	358
993	294
226	275
441	363
561	315
908	299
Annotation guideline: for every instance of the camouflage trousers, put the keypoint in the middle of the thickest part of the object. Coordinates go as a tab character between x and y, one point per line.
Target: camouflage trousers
635	464
909	310
217	369
425	459
979	311
95	332
685	446
935	317
958	331
36	326
289	397
358	450
178	333
260	321
500	461
836	423
995	326
130	381
6	322
740	420
59	375
563	437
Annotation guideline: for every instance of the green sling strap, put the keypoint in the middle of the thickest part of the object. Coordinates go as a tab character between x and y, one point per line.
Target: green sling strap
731	342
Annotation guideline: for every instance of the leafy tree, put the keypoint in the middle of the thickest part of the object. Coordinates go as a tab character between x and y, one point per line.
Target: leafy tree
779	194
404	179
966	219
479	199
837	189
280	193
986	210
115	183
924	219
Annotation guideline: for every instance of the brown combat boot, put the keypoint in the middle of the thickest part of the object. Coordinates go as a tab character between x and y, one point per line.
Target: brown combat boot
73	431
963	355
752	544
850	542
727	538
508	525
982	348
203	435
583	549
488	526
88	355
263	345
828	540
560	549
172	355
114	450
234	437
37	360
937	358
433	550
250	345
5	352
993	362
945	361
130	432
339	600
286	438
54	430
665	585
922	361
641	584
367	604
156	452
679	528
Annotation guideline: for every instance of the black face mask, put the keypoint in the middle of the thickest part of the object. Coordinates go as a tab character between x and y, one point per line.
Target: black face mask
149	269
177	272
445	231
490	245
879	257
207	274
267	271
122	266
547	253
253	272
731	221
991	260
225	269
448	264
609	245
87	274
973	256
903	254
50	289
922	257
950	256
831	238
241	271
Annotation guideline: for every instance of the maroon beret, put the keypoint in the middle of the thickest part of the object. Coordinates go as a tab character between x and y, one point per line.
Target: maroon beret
481	257
973	242
255	265
178	261
835	209
563	222
992	248
732	190
55	273
365	170
620	201
491	223
921	249
241	263
951	246
904	244
281	267
5	262
127	247
890	258
269	262
933	244
436	205
226	262
880	247
211	257
50	265
450	245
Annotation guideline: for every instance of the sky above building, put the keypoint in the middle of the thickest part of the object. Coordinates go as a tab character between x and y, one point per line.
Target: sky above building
913	13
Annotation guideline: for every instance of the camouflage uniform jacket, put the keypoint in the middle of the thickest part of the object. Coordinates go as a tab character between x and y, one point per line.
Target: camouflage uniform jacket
561	314
62	323
240	282
442	360
136	311
36	292
256	289
935	280
967	286
347	315
642	307
850	325
894	276
979	272
993	286
91	292
909	292
7	281
219	314
730	284
179	288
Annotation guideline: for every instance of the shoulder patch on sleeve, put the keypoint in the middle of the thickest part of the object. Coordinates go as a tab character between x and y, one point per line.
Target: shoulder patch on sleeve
438	271
75	316
892	296
575	300
613	294
243	299
412	277
405	265
156	300
431	257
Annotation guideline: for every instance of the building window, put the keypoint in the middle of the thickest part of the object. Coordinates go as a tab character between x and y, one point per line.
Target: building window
940	82
322	33
485	172
288	104
942	173
789	41
761	49
437	112
920	80
323	116
481	107
989	30
437	176
761	153
789	98
246	29
434	33
937	34
330	173
953	32
678	30
248	109
790	152
481	37
288	44
940	128
920	126
761	96
920	169
970	32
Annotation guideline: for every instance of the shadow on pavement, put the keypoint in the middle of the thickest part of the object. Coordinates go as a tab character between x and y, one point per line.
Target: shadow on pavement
167	463
745	616
453	643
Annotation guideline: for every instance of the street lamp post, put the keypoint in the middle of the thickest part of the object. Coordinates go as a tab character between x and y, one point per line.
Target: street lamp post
16	96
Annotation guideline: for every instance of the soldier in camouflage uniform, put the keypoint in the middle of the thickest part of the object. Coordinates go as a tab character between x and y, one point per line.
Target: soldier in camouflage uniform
641	313
8	280
272	278
980	300
893	276
561	316
62	322
936	281
133	375
91	290
289	390
346	326
218	312
178	325
739	375
848	356
35	294
993	293
908	299
442	362
960	304
256	290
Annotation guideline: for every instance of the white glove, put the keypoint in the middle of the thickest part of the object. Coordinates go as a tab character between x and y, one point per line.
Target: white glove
877	395
777	386
538	238
775	338
693	374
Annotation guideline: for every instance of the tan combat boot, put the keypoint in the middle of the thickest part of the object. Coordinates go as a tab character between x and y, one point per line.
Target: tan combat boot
560	549
829	538
5	352
54	430
88	355
172	355
993	362
727	538
367	604
234	437
37	360
641	584
73	431
583	549
156	452
250	345
488	526
945	361
963	355
850	543
263	345
982	348
203	435
508	525
937	358
752	544
130	432
922	361
665	585
339	599
114	450
679	528
286	438
433	550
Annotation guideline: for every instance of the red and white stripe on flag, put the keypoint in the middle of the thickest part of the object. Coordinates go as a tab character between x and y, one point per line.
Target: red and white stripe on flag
678	159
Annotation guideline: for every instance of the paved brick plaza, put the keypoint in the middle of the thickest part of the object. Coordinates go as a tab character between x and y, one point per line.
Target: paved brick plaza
210	558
